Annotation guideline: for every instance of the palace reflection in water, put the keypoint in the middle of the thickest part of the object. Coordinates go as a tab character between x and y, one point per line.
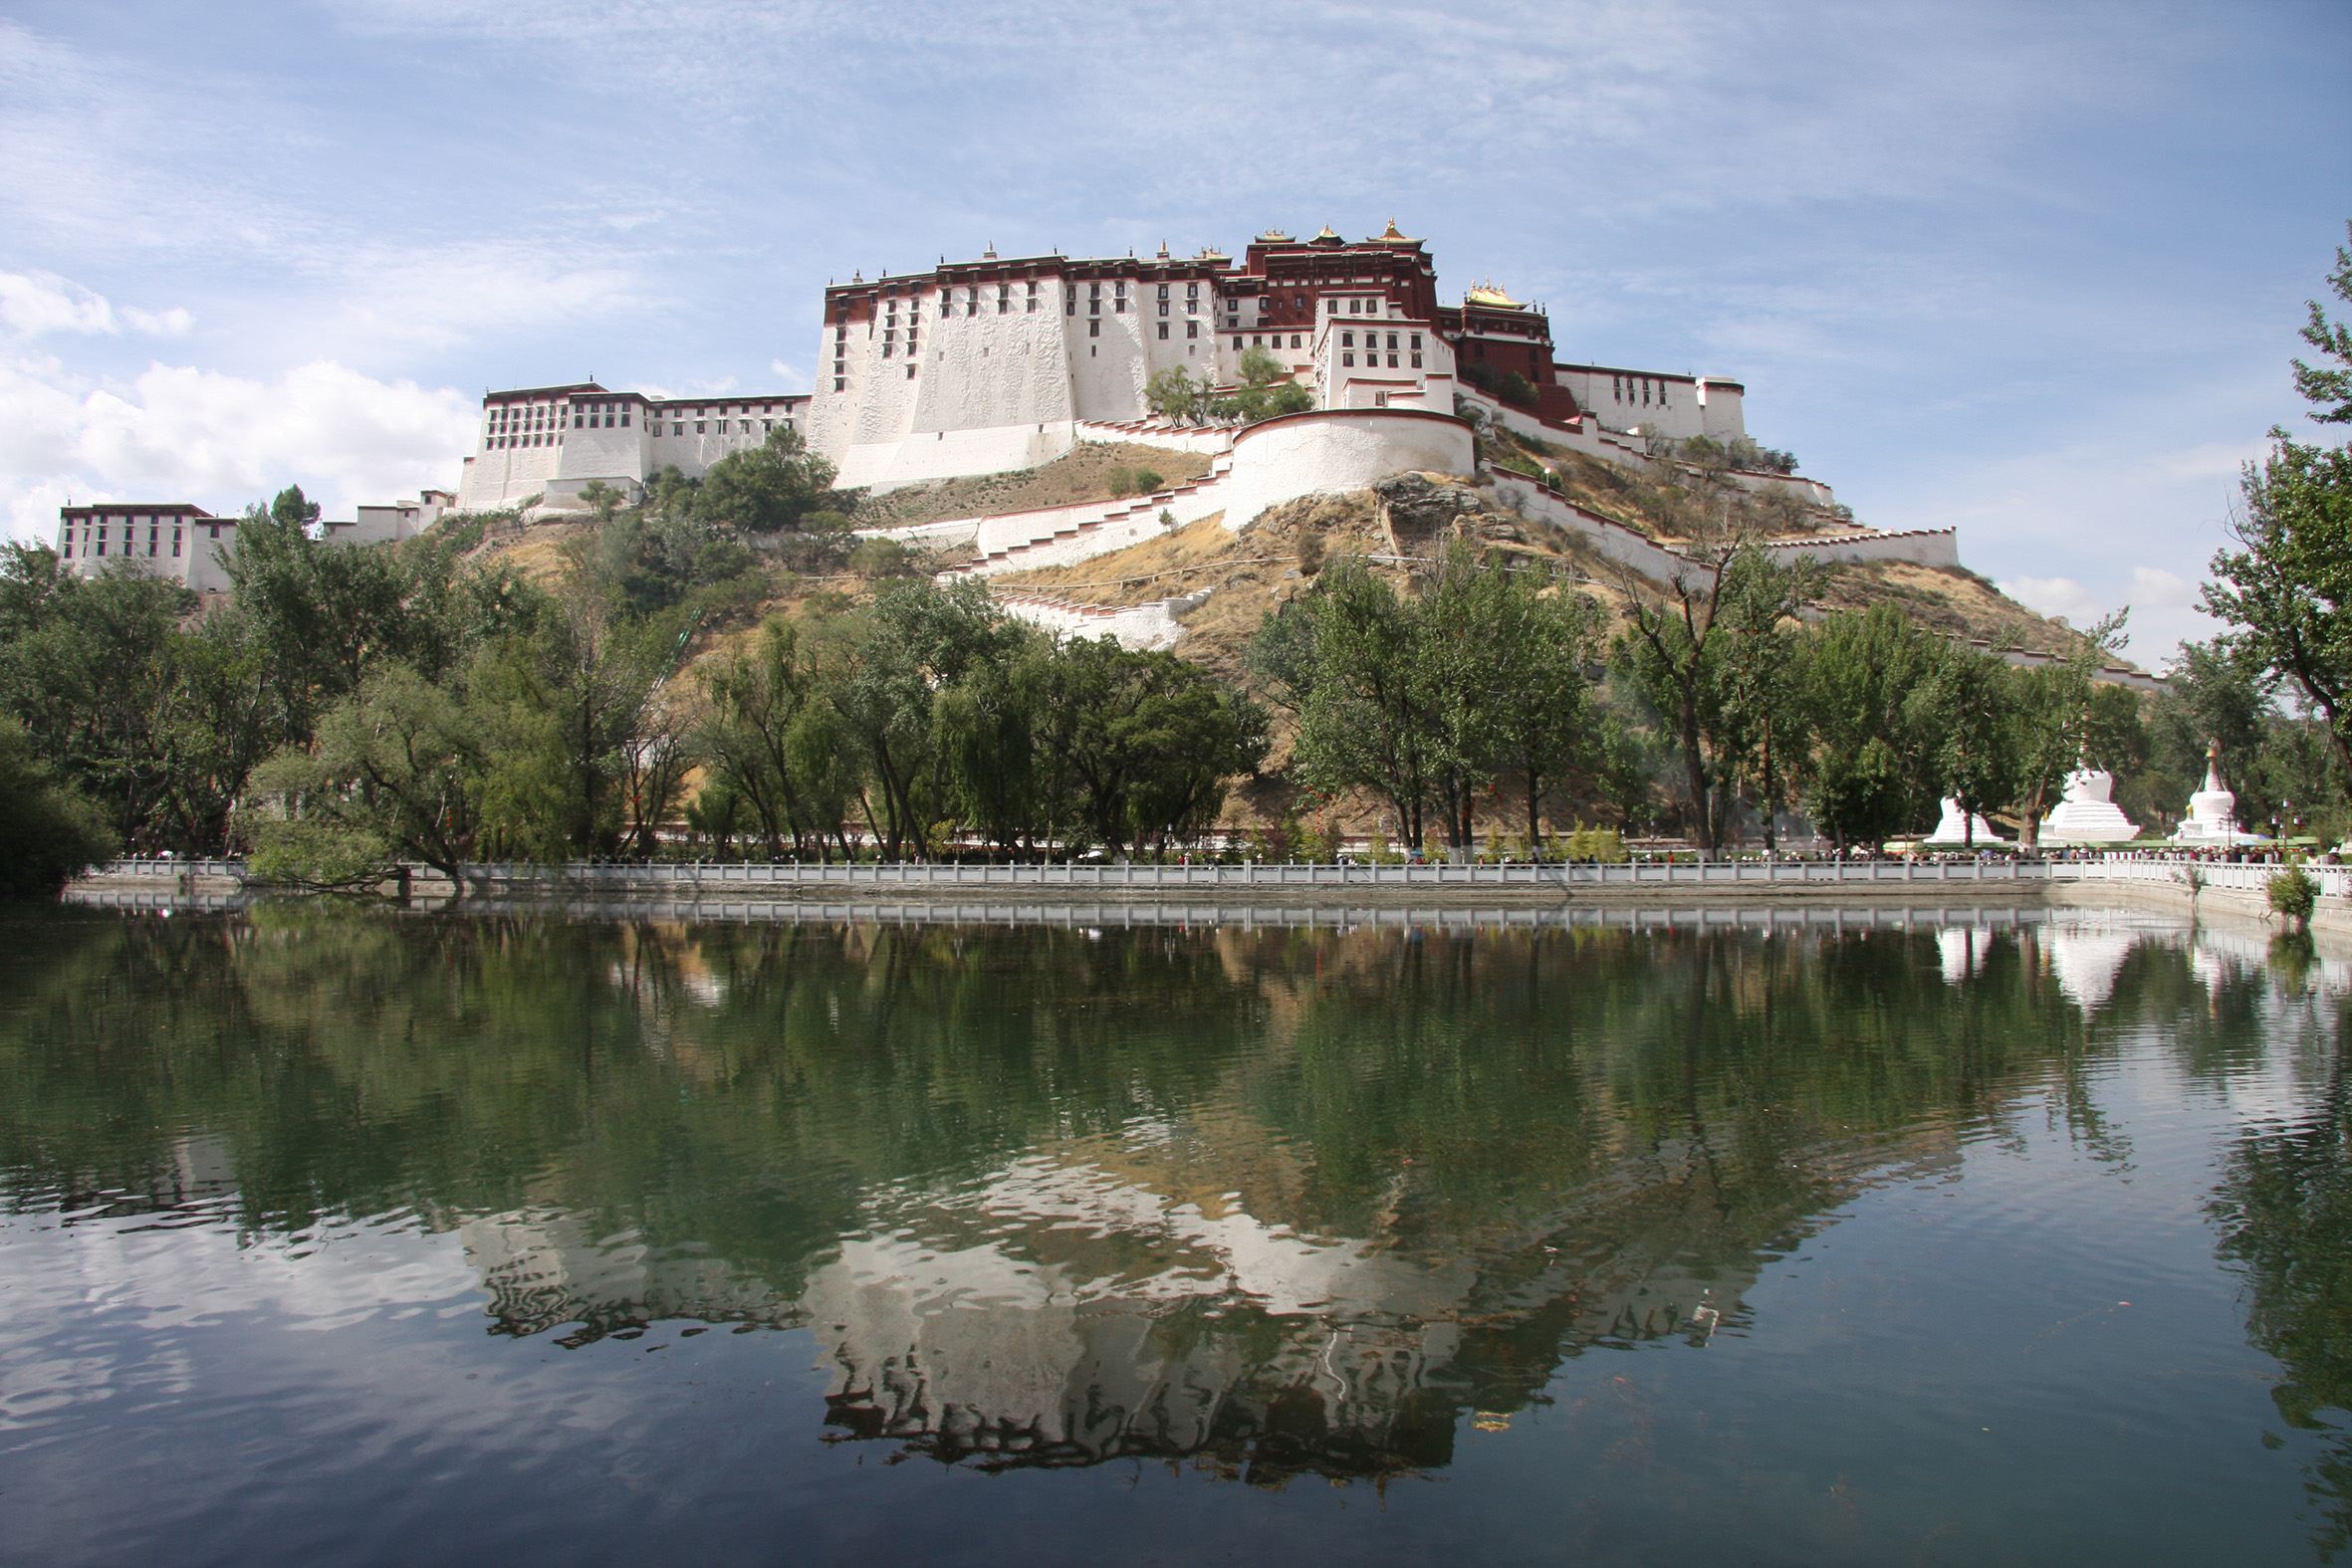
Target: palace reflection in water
1274	1202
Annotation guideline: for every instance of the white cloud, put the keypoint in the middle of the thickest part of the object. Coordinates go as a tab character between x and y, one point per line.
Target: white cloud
32	303
2059	598
180	433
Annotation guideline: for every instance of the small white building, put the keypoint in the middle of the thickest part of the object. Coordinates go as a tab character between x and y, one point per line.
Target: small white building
384	525
2212	822
553	441
176	539
2088	815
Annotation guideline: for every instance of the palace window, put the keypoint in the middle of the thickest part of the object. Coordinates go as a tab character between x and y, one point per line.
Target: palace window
1416	343
1094	307
1294	339
698	430
1163	294
1070	307
1347	340
175	541
1334	304
1416	362
1392	361
1392	345
1257	340
676	429
838	385
1163	330
1192	329
1192	307
1192	291
886	347
1163	307
1347	360
1237	344
1095	329
910	372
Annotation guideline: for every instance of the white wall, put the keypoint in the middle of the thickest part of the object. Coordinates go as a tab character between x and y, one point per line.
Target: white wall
1334	450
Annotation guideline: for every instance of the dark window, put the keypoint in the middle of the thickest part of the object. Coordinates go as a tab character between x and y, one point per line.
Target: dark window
1347	340
838	385
1095	329
1163	329
1392	361
910	372
1192	329
1347	359
1416	362
1237	343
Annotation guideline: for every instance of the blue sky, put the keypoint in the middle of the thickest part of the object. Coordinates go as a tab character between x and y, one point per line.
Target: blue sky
2034	270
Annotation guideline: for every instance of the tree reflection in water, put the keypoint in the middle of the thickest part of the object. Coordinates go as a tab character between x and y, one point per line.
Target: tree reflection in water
1274	1202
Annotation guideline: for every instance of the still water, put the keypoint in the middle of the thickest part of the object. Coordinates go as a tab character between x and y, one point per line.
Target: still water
330	1237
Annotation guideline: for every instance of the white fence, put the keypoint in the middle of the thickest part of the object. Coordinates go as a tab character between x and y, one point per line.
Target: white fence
717	877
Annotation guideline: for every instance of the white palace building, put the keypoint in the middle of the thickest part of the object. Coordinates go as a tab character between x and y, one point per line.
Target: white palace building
1004	362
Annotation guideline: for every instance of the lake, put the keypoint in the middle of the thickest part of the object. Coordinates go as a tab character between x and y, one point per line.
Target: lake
343	1236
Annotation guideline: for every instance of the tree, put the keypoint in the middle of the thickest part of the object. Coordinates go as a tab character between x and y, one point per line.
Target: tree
1174	395
2050	708
914	640
767	488
49	832
394	771
1148	740
1682	648
1544	724
1368	719
1855	676
759	702
1266	391
2287	590
1962	712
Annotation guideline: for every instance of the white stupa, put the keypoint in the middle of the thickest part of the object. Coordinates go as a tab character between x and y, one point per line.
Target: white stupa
2212	822
1952	833
2088	814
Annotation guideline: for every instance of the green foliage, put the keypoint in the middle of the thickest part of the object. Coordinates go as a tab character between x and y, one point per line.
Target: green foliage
767	489
1429	702
1172	395
2293	893
881	558
1266	391
48	832
1126	481
2286	591
1706	656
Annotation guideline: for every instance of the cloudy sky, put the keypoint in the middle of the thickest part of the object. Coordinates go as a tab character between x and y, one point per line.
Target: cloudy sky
2029	269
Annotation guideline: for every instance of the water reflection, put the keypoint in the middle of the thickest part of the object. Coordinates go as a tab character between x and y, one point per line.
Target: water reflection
1277	1200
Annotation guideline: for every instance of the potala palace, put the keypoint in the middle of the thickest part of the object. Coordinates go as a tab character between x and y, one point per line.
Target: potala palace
1004	362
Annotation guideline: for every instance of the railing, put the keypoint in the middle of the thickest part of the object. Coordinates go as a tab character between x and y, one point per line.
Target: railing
719	876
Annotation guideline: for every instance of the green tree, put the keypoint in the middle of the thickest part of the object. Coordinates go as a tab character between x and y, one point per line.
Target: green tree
394	771
767	489
1682	652
1266	391
48	832
1174	395
1148	740
1865	780
2286	591
1368	718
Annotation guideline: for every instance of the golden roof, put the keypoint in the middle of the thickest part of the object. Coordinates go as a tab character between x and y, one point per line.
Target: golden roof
1492	293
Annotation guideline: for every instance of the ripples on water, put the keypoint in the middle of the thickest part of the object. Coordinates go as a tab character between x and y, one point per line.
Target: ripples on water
1963	1243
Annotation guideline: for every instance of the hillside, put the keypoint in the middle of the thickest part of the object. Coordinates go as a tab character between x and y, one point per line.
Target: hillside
1089	471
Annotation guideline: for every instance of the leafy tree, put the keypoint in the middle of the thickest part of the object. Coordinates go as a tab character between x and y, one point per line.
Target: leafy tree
1174	395
1369	718
395	771
1266	391
2050	709
764	704
48	832
1963	713
1682	653
914	640
2287	590
1148	740
1858	669
767	488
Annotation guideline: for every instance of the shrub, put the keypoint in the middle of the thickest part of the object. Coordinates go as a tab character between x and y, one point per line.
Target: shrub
2293	895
